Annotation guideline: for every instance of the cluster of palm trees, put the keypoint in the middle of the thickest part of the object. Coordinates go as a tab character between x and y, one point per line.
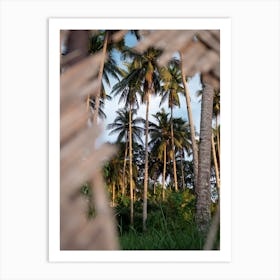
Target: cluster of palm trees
167	140
161	153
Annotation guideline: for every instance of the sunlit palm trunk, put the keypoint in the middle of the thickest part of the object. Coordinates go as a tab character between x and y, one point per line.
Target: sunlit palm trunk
124	167
182	169
203	205
215	163
99	79
188	101
146	164
173	152
130	165
164	172
113	194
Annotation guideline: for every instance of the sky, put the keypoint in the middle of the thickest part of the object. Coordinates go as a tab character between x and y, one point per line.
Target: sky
113	105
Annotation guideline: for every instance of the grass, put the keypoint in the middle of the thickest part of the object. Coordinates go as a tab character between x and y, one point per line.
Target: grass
170	225
163	233
161	240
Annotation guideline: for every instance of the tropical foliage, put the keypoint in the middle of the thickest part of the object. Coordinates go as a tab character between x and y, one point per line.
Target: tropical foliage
163	182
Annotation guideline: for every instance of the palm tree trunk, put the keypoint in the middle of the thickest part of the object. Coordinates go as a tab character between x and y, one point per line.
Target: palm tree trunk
203	204
218	139
124	167
114	194
194	145
215	163
182	169
173	152
100	74
163	173
130	166
146	164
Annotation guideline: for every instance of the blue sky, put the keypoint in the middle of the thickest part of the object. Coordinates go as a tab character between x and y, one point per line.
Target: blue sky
112	106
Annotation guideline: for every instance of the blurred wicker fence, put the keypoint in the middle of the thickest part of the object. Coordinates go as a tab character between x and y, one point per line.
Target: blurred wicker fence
80	160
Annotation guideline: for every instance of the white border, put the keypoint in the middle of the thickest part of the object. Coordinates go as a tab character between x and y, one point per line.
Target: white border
24	105
224	254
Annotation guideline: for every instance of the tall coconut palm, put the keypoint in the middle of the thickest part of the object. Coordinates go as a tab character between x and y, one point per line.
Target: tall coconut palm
139	162
119	126
160	141
216	114
215	134
144	66
183	142
171	79
128	89
215	162
155	168
102	99
191	122
203	205
123	124
102	41
99	78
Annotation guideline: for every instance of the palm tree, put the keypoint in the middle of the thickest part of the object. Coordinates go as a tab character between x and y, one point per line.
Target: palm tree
123	123
171	78
216	114
127	89
160	141
120	125
190	118
155	168
182	137
102	99
203	205
215	134
102	41
113	175
144	66
215	161
99	78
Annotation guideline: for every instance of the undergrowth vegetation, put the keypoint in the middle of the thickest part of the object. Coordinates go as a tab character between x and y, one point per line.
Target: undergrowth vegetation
170	224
